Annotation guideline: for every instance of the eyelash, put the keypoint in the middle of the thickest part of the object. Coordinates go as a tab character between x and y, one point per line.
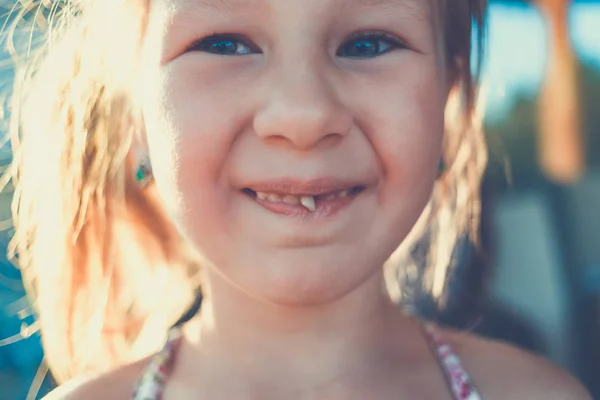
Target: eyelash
392	41
222	37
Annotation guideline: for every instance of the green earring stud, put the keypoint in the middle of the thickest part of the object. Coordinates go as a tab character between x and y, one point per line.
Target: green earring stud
143	173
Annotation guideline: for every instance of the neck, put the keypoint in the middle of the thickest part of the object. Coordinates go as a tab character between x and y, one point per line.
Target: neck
309	345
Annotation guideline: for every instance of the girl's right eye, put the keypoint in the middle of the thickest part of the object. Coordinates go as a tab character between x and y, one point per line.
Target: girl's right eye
225	45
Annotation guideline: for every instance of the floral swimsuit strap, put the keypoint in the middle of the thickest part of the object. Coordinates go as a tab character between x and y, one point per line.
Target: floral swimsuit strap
460	384
152	383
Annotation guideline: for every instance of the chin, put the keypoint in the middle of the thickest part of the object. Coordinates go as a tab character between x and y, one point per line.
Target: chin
303	295
306	282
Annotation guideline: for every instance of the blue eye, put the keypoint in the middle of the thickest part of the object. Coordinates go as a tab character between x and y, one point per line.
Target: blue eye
369	45
225	45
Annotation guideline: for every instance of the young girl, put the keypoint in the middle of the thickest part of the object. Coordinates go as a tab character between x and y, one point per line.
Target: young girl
286	151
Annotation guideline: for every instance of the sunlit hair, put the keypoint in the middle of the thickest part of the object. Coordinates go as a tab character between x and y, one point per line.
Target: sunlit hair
106	268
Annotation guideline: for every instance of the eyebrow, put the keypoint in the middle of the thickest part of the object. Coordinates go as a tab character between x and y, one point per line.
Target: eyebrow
416	6
224	5
379	3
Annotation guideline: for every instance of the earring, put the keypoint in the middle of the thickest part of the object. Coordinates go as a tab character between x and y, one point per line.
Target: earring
143	172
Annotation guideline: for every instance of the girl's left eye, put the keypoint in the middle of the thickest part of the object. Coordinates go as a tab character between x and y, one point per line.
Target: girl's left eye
226	45
369	45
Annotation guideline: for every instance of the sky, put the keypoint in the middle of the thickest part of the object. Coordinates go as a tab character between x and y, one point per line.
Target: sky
516	54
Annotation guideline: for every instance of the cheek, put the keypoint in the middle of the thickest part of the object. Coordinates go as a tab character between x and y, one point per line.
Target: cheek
405	125
406	121
411	150
189	137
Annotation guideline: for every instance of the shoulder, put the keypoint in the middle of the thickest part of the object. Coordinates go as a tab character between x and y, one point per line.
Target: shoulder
115	385
502	371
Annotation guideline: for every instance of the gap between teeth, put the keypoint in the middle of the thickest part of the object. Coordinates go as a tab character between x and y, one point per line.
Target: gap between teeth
307	201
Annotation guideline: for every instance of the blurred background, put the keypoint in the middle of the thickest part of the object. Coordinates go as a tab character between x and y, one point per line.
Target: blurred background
539	257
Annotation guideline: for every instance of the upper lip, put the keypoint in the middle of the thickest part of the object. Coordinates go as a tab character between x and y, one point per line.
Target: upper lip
298	187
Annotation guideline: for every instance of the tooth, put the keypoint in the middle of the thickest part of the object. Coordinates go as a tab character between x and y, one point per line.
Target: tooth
274	197
293	200
261	195
344	193
308	202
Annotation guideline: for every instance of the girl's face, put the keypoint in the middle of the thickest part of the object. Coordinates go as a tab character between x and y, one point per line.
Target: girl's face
295	142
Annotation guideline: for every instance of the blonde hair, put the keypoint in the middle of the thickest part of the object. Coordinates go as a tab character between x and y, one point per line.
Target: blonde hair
84	229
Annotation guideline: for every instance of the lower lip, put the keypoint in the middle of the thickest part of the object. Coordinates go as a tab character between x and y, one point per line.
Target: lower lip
324	208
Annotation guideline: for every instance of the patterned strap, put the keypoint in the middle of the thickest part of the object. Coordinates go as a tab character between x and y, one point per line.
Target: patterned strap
156	374
152	383
458	379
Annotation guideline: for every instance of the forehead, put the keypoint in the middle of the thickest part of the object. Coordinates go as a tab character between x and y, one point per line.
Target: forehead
419	8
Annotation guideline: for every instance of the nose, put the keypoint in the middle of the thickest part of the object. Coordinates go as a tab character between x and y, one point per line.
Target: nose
302	109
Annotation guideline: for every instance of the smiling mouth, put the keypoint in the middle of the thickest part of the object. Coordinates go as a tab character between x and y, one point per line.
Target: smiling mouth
290	204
